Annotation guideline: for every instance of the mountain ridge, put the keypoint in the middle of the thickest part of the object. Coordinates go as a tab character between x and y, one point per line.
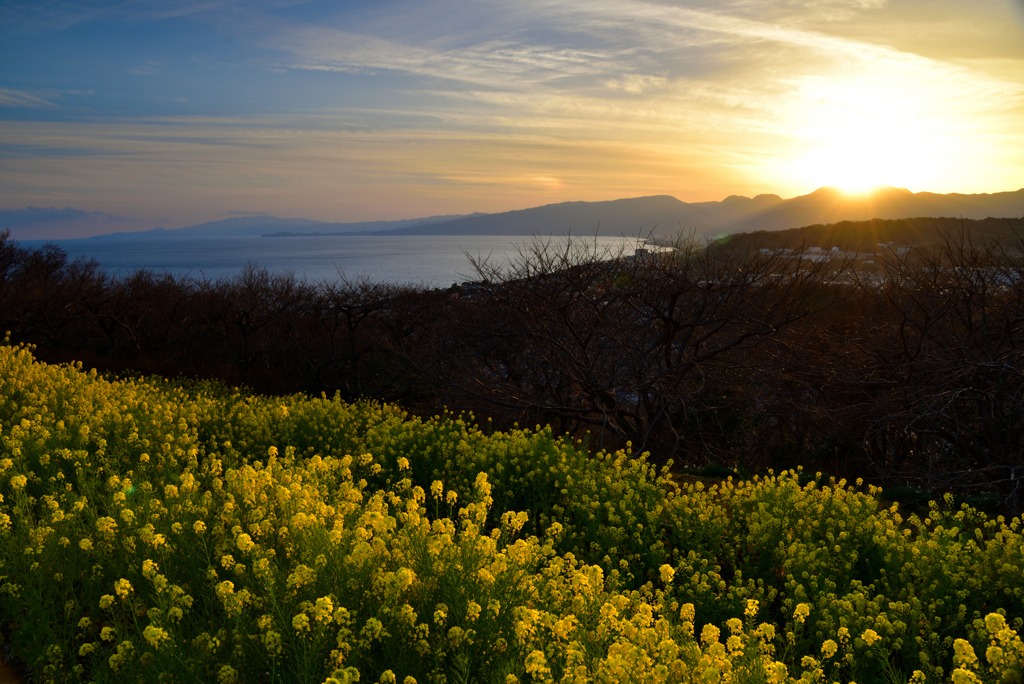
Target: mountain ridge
649	216
831	205
664	215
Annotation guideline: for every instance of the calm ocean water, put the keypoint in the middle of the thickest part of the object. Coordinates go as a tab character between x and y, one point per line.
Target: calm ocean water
435	261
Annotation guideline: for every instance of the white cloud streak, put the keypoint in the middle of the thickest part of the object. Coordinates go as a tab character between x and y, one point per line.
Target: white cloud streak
18	98
632	38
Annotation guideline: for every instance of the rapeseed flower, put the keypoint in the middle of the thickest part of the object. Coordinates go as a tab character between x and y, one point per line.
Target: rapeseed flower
154	635
272	642
323	609
306	520
301	623
244	543
803	610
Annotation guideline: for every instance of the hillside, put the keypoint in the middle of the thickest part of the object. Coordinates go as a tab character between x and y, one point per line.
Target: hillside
153	532
867	237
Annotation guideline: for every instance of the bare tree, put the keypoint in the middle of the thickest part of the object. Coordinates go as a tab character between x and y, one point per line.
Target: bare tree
249	317
338	344
945	356
631	345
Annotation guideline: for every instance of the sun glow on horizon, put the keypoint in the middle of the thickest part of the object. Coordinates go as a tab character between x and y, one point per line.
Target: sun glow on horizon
855	189
859	135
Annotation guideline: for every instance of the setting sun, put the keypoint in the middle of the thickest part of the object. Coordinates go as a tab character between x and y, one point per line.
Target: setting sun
860	134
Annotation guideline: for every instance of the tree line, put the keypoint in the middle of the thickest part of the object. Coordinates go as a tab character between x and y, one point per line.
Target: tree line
910	373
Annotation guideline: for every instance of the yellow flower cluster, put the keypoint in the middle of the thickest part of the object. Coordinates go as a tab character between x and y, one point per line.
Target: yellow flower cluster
225	537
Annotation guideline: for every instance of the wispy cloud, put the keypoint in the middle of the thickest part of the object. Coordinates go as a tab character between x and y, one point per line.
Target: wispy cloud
491	63
599	41
800	11
636	84
18	98
148	68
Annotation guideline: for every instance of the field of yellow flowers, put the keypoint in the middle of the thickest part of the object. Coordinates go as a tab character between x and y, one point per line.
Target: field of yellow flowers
176	532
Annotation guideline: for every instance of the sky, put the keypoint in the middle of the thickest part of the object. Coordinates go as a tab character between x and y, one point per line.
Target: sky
135	114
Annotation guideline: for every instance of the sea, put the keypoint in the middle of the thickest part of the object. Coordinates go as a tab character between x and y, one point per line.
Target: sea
428	261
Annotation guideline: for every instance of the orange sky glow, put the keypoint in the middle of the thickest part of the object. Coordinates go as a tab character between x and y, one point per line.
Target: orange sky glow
388	110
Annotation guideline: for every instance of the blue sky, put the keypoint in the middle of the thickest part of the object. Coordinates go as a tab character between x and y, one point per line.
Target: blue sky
174	113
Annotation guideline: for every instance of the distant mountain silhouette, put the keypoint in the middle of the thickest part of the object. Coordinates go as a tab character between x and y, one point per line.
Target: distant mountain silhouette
831	205
30	222
662	215
255	226
658	215
232	227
